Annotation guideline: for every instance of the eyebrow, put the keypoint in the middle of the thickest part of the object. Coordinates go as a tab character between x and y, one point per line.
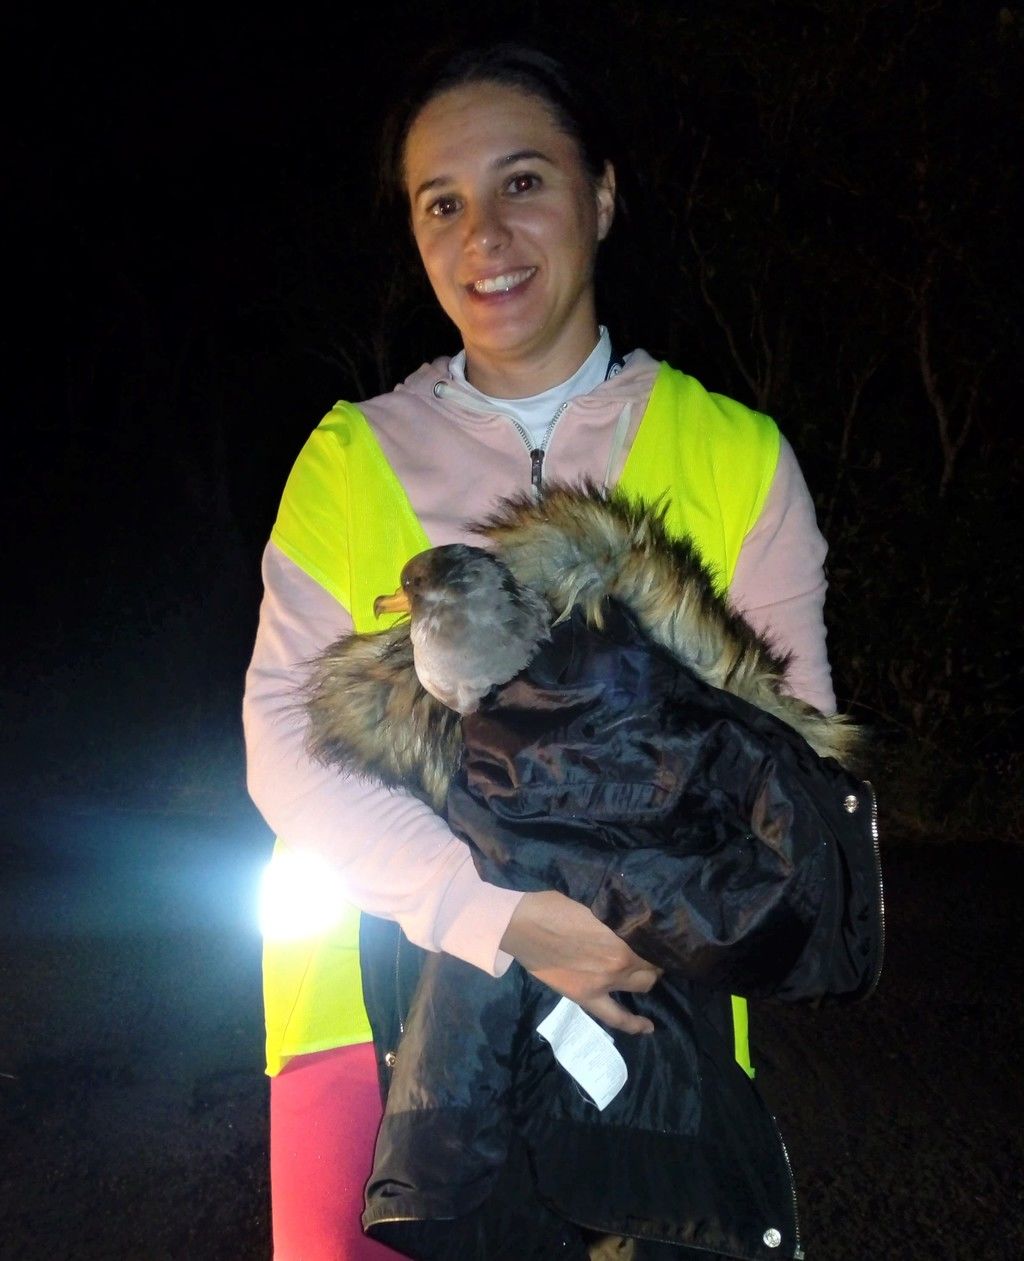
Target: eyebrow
510	159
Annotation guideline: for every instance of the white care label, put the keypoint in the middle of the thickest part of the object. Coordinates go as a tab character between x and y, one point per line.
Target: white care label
585	1050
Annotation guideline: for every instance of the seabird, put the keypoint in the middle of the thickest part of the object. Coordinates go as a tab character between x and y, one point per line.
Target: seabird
472	625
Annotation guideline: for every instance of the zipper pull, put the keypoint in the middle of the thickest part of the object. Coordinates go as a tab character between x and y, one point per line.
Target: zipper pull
536	469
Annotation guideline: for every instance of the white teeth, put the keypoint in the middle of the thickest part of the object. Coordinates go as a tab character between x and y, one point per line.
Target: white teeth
502	284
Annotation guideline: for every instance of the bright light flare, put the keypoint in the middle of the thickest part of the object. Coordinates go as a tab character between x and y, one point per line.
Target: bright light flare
300	896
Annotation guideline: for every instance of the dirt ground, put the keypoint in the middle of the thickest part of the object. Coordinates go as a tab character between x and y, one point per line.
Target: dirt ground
133	1103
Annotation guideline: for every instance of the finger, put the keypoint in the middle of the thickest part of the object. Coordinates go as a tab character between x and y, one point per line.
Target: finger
615	1016
639	980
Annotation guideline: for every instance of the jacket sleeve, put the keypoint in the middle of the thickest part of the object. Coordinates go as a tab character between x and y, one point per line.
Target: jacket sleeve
769	888
396	858
779	582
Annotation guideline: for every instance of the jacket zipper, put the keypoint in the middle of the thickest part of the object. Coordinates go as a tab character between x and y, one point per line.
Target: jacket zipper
398	988
881	890
798	1251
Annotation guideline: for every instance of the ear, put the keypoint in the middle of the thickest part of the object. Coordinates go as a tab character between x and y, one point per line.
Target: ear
604	191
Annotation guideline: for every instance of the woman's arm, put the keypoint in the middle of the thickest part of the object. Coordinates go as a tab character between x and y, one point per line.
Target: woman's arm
398	859
779	582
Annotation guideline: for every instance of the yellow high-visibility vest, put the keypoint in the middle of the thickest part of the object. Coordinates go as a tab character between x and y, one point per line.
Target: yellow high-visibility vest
346	521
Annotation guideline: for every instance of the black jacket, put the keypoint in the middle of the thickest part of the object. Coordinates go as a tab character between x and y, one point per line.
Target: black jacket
711	838
714	839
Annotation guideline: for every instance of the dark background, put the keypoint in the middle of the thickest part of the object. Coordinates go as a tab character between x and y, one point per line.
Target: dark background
827	228
825	225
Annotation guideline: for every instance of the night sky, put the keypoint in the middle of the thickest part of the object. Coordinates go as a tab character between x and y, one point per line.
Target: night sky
197	270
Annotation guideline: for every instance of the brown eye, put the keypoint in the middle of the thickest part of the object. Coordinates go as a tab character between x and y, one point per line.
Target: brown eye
443	207
523	183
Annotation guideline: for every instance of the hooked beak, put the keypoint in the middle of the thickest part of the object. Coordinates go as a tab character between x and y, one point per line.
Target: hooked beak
397	603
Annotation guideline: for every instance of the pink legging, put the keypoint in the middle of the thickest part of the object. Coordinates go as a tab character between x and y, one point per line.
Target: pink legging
324	1114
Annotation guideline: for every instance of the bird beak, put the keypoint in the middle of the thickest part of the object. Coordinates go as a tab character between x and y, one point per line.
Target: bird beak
397	603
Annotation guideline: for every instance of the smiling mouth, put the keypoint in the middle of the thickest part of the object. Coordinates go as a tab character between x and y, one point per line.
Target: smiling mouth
504	283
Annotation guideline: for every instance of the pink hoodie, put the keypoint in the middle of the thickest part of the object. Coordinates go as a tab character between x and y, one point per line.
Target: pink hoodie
456	456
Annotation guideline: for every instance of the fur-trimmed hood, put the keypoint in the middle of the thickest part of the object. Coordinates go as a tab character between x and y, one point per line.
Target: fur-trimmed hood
575	546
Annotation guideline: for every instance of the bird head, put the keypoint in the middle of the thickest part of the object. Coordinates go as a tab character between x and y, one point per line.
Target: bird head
472	625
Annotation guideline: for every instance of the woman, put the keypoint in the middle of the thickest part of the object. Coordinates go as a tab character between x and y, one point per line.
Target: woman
510	193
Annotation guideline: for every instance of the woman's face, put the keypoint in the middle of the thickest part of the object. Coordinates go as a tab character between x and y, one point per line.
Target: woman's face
507	221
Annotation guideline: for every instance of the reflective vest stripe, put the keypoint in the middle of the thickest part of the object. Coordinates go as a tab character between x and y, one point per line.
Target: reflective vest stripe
711	458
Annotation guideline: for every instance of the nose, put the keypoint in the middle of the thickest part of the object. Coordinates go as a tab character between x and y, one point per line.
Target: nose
486	230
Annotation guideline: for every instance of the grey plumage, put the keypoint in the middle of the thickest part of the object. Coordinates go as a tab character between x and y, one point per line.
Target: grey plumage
472	625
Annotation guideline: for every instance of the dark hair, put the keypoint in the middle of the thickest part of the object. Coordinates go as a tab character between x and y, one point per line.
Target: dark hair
552	79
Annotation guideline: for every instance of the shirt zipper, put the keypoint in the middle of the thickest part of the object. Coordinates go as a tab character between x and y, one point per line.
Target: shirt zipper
537	453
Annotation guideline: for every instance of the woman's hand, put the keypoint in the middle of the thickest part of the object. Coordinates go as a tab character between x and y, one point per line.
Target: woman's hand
563	944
